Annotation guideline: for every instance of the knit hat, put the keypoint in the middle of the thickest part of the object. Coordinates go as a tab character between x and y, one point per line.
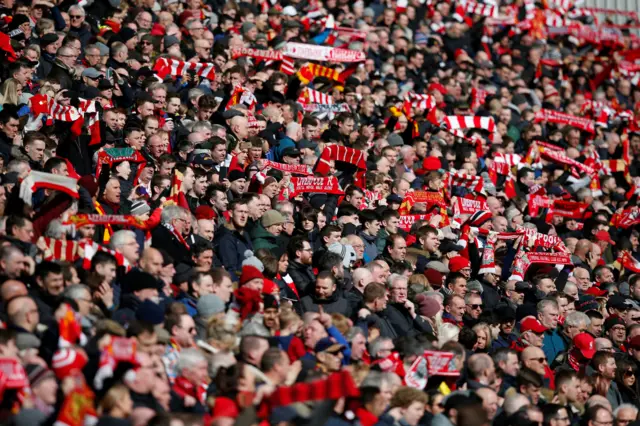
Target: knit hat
272	217
150	312
205	212
457	263
139	208
270	301
67	360
48	39
346	251
170	41
235	175
249	273
431	164
505	313
209	305
475	286
37	373
89	183
587	303
435	278
246	27
250	259
137	280
612	321
479	218
427	306
126	34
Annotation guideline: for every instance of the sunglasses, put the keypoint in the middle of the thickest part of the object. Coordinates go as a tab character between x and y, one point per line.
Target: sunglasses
474	306
76	16
541	360
629	373
146	43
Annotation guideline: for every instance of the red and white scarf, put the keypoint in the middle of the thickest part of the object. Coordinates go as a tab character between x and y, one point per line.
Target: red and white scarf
168	66
37	180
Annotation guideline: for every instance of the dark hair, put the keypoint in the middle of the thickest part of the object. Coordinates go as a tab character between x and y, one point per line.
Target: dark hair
218	275
347	209
373	291
328	261
45	268
452	277
270	358
563	377
137	328
14	220
295	244
467	338
368	216
102	257
200	247
53	163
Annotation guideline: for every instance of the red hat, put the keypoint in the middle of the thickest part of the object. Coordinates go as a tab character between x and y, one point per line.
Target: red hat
157	30
461	53
431	164
603	235
67	360
205	212
586	344
269	287
435	278
457	263
596	292
249	273
532	324
437	87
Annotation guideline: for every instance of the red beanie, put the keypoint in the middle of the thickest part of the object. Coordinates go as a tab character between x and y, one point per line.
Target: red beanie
67	360
435	278
225	407
205	212
269	287
249	273
457	263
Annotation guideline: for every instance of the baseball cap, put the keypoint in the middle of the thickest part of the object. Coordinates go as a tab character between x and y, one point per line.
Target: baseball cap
91	73
587	303
595	291
617	302
532	324
586	344
603	235
289	11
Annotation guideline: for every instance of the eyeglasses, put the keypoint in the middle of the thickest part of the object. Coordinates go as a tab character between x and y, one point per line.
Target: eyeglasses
76	16
146	43
541	360
475	306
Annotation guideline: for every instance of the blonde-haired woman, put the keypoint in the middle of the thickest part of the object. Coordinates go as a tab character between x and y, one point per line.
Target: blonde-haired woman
484	337
10	92
116	407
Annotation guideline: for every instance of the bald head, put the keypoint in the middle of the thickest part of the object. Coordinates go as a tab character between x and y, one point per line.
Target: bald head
11	289
361	278
23	312
582	247
151	261
531	352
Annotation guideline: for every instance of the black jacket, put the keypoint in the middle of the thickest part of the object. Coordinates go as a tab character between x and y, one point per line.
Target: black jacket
127	310
302	276
334	304
231	245
402	322
380	321
46	304
62	75
490	296
162	238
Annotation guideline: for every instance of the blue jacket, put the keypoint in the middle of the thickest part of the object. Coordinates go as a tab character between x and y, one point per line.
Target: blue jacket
503	341
370	246
553	344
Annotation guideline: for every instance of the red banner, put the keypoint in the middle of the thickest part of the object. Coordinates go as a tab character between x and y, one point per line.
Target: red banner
627	218
441	363
560	157
271	55
407	220
561	118
13	372
302	185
